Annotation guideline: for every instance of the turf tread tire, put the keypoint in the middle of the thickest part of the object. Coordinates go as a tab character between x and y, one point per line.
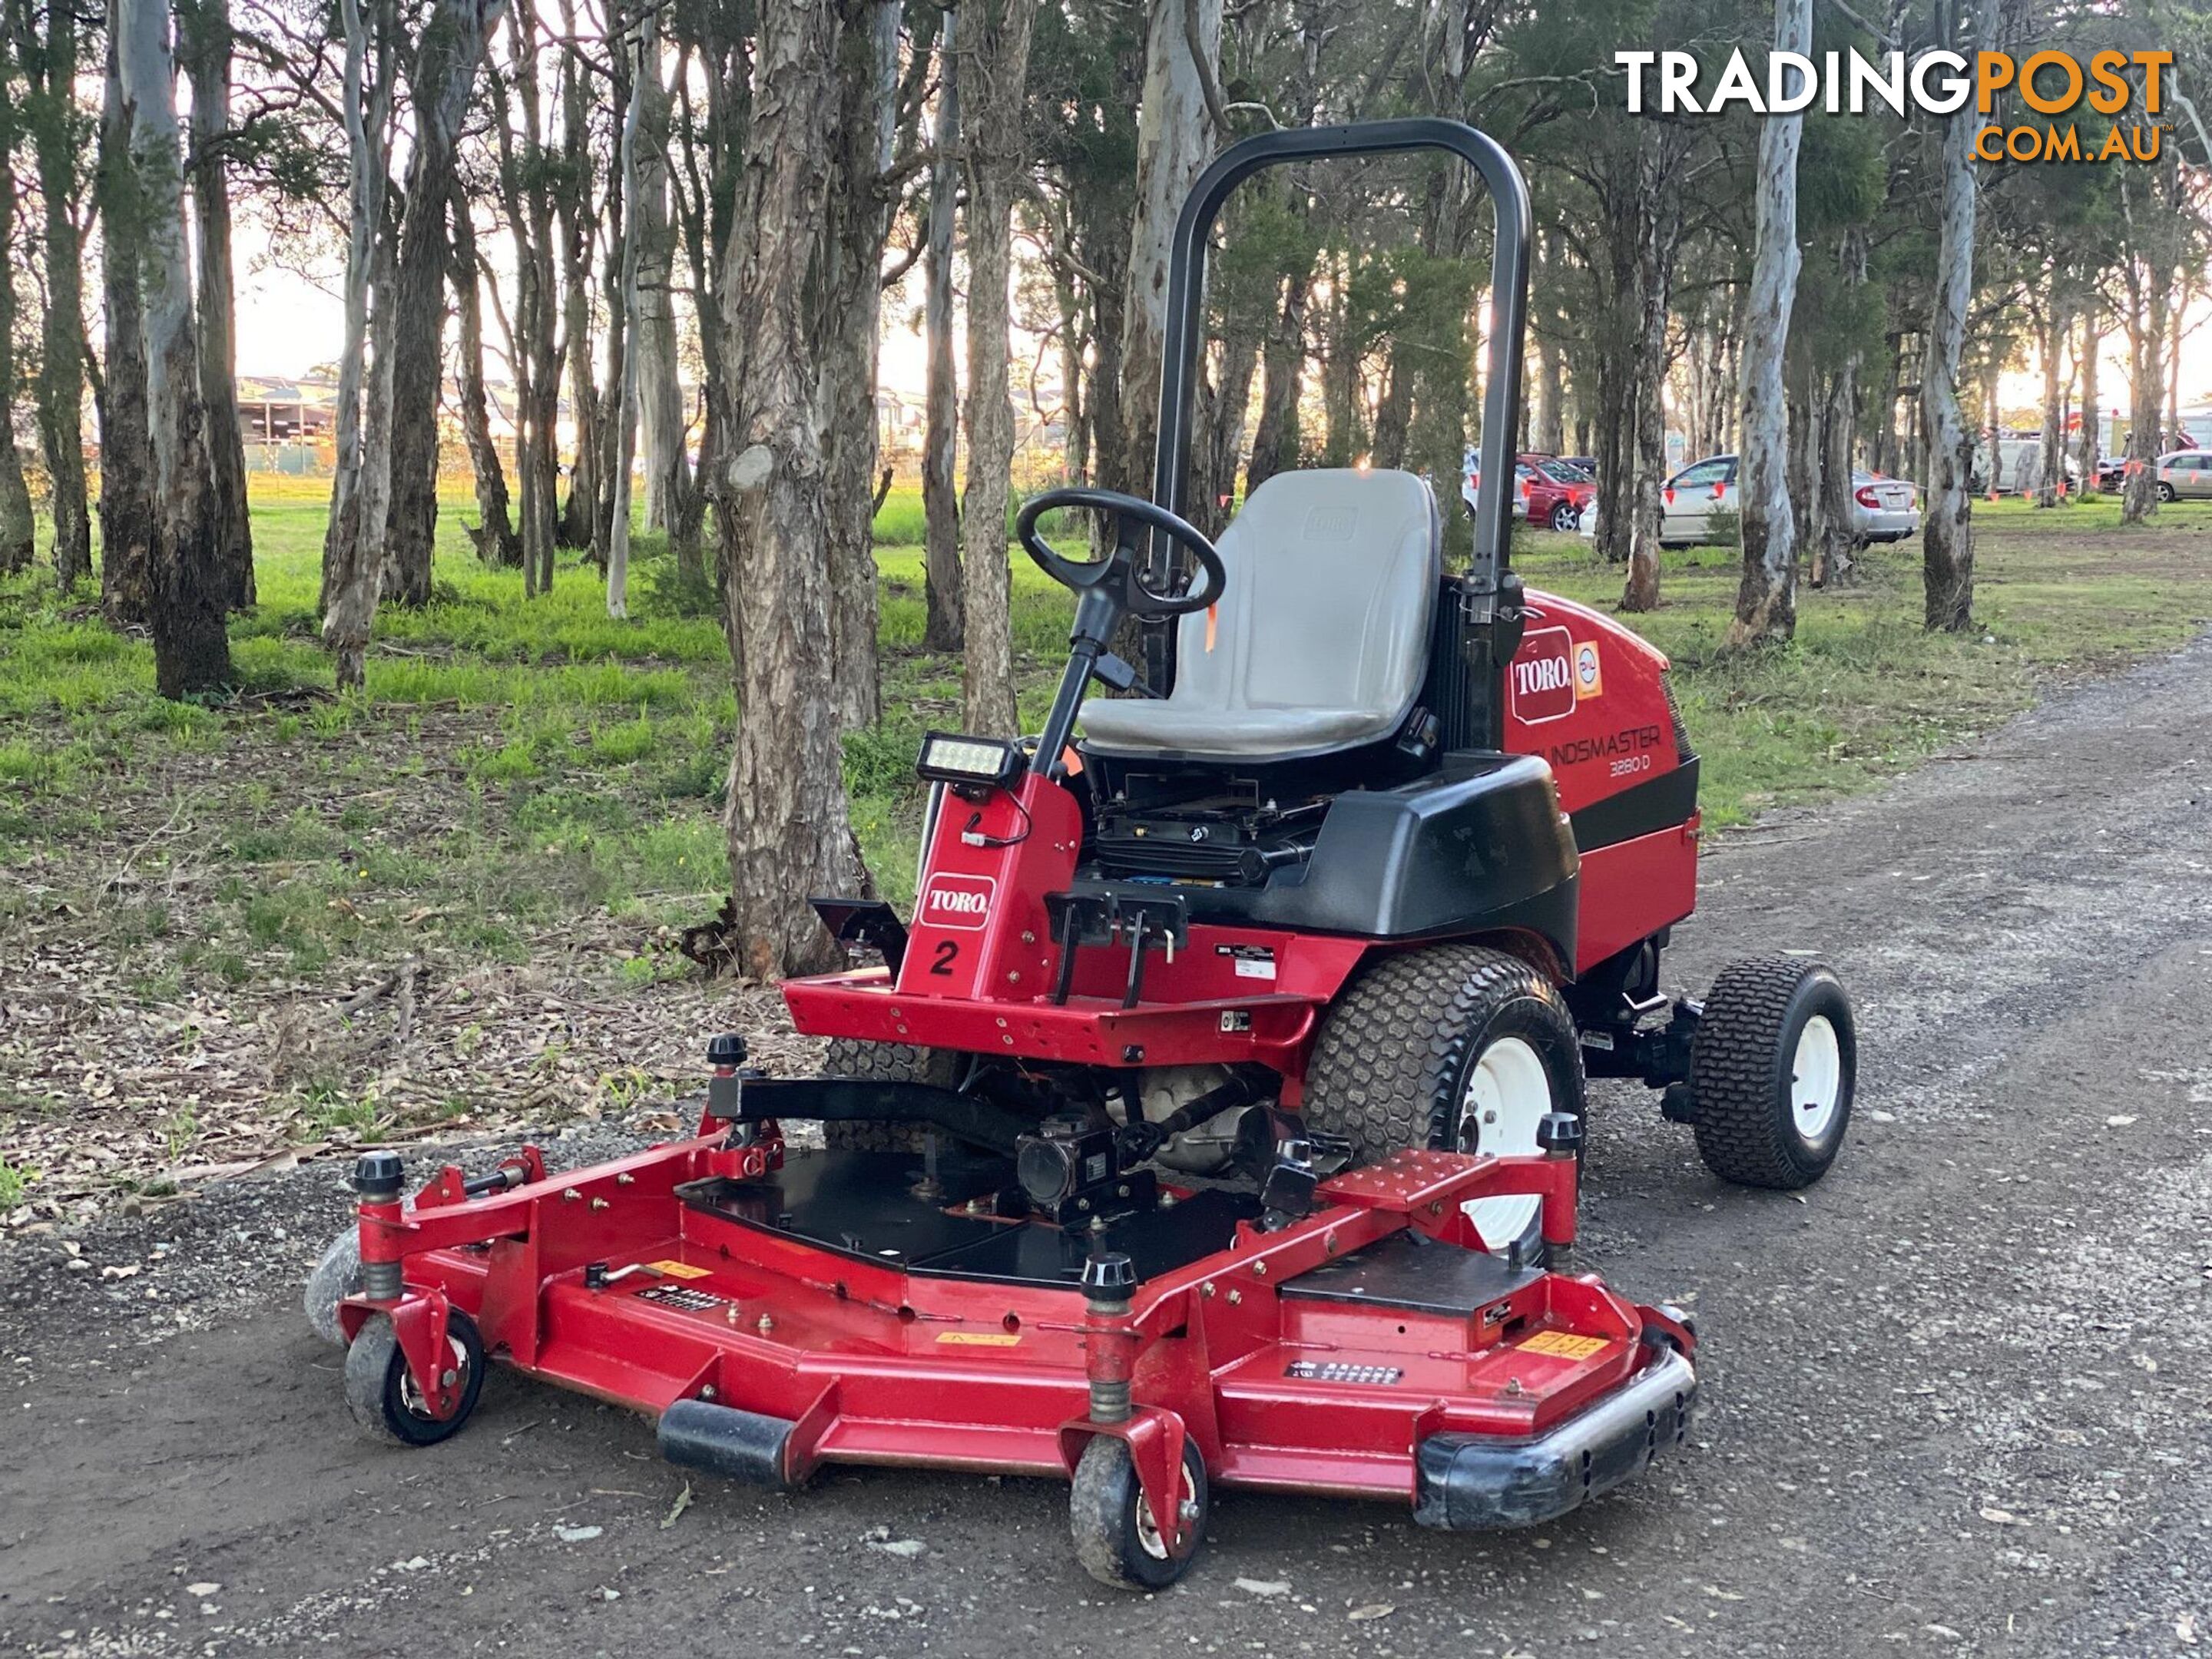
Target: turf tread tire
1736	1067
885	1063
1395	1047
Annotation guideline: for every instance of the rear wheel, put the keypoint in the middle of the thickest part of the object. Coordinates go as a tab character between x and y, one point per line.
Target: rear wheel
1772	1068
1117	1538
1455	1046
885	1063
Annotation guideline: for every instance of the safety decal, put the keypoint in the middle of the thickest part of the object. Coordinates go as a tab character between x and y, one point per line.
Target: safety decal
978	1339
1307	1370
678	1270
1565	1344
1590	679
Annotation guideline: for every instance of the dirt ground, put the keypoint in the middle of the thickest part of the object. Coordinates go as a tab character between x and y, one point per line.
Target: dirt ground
1956	1397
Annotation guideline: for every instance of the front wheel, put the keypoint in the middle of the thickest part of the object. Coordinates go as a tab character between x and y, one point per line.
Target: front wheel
2166	492
382	1395
1456	1047
1773	1065
1117	1538
1565	516
336	1276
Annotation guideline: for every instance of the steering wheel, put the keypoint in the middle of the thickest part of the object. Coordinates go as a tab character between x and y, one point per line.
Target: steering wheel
1115	577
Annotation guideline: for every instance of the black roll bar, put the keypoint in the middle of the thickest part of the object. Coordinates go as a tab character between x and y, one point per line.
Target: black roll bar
1509	304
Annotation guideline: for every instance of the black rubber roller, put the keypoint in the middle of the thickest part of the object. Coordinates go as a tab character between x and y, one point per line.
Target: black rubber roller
725	1441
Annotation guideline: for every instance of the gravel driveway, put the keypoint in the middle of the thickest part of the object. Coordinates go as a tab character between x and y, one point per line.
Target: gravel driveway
1958	1397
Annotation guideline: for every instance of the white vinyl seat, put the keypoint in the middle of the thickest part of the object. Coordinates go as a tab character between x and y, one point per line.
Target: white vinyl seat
1321	638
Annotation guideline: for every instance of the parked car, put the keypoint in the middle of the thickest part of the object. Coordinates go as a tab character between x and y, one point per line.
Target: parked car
1690	498
2185	472
1582	463
1883	509
1556	491
2112	473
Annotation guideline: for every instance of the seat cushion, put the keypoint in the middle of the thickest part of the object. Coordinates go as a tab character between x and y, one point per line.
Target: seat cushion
1321	636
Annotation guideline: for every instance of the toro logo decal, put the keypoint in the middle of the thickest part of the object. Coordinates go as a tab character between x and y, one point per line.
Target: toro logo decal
959	902
1544	677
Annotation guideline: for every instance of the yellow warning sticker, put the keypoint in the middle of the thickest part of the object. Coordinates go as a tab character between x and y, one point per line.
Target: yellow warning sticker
677	1269
980	1339
1565	1344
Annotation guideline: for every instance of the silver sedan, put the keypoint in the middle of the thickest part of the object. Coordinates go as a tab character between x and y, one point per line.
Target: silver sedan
1883	509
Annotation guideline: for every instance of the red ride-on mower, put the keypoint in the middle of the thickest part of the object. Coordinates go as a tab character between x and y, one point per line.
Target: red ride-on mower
1216	1122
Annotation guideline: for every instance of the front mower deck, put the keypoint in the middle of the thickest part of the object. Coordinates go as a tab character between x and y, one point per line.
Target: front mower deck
777	1318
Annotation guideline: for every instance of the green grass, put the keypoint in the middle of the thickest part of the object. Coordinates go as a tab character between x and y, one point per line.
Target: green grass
513	765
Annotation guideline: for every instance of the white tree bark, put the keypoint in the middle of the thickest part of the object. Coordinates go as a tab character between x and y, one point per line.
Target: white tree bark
995	44
1767	602
368	129
644	69
941	498
191	651
663	430
1948	528
1175	141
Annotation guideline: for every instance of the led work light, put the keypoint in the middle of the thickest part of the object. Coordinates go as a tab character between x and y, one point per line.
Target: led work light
950	758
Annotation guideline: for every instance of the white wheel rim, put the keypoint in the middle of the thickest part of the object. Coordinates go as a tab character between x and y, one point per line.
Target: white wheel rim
1816	1079
1507	1095
1148	1528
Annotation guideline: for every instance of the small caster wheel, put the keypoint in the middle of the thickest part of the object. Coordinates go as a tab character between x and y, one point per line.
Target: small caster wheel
1773	1067
1116	1538
336	1276
383	1397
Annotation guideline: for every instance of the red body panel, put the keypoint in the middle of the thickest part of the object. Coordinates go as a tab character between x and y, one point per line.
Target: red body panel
1582	692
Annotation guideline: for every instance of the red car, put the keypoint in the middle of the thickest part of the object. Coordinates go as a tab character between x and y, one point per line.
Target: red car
1557	491
1546	490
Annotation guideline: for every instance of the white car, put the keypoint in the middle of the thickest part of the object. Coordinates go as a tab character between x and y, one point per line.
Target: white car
1883	509
1690	498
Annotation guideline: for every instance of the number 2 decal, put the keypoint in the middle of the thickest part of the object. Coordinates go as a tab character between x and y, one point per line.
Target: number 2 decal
948	952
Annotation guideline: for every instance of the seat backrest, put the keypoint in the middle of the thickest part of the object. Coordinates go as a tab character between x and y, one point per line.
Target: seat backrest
1332	583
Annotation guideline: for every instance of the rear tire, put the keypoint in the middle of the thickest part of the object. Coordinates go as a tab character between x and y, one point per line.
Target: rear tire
1453	1047
885	1063
1773	1066
1116	1537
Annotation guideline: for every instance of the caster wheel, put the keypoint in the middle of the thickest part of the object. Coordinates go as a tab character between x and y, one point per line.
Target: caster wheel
336	1276
1116	1538
383	1397
1773	1067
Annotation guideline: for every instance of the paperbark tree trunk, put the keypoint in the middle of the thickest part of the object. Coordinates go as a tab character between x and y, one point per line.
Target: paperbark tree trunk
18	535
860	220
662	429
1766	601
2147	426
495	541
126	444
403	409
1175	140
1837	538
522	172
644	71
789	832
994	69
1658	234
186	577
1948	527
578	216
367	121
49	66
2089	446
203	40
944	630
2057	327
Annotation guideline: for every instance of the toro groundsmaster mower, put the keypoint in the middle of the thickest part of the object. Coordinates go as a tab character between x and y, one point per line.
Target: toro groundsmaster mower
1214	1120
